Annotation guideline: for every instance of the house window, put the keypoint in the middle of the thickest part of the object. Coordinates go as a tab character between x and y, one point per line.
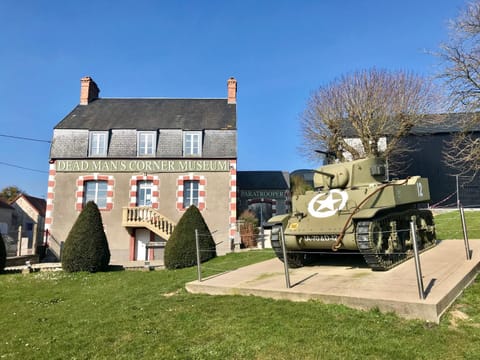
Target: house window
146	143
97	188
98	143
96	191
192	143
144	193
190	193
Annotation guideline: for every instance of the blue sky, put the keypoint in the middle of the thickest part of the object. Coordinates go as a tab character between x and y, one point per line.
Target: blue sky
279	52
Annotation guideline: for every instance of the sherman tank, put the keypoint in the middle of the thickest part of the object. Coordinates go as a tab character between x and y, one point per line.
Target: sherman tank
355	208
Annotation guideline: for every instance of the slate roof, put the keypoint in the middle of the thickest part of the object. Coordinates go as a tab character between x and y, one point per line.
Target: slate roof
441	124
428	125
152	114
263	180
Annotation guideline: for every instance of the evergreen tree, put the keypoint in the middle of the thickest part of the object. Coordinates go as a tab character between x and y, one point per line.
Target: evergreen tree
86	247
3	254
180	250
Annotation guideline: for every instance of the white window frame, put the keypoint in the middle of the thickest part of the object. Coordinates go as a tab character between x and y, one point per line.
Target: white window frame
99	195
145	187
192	143
192	189
97	144
146	141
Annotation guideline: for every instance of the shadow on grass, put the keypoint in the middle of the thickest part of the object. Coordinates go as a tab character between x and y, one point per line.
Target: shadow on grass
208	277
112	268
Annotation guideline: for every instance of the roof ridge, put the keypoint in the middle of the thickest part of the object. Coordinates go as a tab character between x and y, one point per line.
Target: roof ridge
159	98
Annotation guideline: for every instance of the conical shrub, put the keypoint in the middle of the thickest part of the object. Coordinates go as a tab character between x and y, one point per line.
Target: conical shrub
86	247
3	254
180	250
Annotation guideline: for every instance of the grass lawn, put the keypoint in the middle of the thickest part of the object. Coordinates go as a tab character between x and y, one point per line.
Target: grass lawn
149	315
449	226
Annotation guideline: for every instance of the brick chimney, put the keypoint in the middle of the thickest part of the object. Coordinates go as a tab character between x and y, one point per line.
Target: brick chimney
88	90
232	90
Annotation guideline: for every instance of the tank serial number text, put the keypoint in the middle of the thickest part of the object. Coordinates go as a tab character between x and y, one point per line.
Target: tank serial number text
320	238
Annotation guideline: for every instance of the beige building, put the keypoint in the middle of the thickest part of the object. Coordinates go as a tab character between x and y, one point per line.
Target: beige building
144	162
30	221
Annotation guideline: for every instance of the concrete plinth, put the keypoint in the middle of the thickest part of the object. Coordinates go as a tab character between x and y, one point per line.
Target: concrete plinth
445	269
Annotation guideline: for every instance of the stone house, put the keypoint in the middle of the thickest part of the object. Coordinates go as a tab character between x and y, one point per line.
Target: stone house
30	218
144	162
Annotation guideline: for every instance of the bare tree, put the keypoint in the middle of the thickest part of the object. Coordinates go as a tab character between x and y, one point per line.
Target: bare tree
461	56
367	105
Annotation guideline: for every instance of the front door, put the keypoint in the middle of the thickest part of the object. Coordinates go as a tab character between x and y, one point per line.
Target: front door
142	237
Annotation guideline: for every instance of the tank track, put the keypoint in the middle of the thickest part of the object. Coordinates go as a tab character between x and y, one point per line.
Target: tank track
385	241
275	241
294	260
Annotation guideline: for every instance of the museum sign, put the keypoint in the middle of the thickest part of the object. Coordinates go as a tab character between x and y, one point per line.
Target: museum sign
141	165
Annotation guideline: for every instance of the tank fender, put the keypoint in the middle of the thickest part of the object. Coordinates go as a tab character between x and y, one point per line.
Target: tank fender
277	220
369	213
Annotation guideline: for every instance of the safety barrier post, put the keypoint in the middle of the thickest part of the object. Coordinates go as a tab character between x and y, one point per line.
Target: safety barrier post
413	232
199	269
285	260
465	233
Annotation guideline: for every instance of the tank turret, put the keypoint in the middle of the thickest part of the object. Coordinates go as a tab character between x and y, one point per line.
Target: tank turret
354	207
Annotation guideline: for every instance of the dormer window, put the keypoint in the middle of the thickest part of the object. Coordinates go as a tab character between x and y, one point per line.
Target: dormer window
146	141
98	141
192	143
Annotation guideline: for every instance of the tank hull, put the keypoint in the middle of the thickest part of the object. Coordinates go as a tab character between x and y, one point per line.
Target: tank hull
372	218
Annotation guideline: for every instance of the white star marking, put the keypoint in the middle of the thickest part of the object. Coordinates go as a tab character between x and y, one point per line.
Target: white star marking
328	206
328	203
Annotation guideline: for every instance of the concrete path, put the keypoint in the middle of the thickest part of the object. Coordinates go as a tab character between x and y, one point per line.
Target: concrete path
445	270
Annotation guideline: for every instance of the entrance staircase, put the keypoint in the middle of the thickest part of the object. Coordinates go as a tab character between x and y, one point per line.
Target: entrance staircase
149	218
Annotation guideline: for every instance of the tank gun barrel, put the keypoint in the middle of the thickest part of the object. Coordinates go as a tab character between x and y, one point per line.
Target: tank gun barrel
329	155
331	176
326	153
